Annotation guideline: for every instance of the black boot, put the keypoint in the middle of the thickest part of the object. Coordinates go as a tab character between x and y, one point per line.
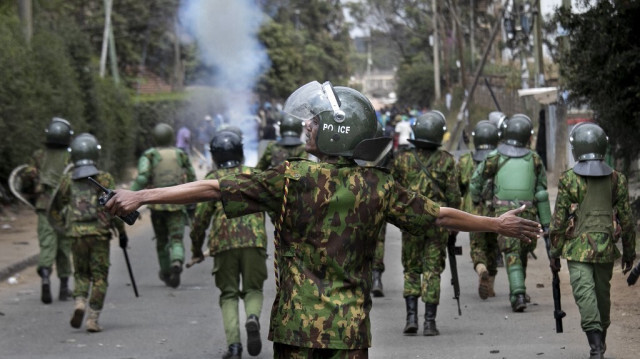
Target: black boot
376	289
595	342
65	293
254	344
234	352
44	273
174	277
604	342
412	315
430	311
520	304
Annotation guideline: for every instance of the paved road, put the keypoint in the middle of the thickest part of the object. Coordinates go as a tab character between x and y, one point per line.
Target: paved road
186	322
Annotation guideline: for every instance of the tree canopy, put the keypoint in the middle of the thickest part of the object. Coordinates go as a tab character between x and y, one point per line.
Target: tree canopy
602	69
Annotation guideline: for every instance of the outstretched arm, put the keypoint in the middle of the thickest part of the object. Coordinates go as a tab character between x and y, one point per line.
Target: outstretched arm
125	202
509	224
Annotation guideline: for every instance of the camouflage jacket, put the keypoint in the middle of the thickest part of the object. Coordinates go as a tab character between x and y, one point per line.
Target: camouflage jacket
333	214
242	232
146	164
590	247
46	168
275	154
440	184
482	182
84	216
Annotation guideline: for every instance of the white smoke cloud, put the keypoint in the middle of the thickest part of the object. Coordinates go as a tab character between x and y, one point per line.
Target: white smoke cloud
226	33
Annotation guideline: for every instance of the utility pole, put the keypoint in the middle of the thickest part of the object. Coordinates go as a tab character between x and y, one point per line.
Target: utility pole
112	57
105	36
436	50
540	80
560	163
25	10
472	37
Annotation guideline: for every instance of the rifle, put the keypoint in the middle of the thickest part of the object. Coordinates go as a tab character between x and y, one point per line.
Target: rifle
129	219
454	251
558	313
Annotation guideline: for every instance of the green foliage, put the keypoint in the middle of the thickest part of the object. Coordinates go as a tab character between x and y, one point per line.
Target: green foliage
415	85
602	69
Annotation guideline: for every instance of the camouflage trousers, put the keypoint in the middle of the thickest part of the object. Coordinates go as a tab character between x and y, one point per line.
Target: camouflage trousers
169	229
230	268
591	286
284	351
91	262
483	248
54	248
378	255
424	256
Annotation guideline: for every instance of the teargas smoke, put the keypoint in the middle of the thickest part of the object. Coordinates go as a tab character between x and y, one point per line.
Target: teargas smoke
227	36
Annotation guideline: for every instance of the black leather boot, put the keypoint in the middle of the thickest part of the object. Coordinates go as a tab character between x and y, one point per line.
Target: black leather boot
595	342
65	293
376	288
254	344
234	352
45	273
520	304
430	311
412	315
604	342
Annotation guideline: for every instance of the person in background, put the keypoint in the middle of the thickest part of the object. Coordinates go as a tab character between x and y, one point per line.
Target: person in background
289	146
183	139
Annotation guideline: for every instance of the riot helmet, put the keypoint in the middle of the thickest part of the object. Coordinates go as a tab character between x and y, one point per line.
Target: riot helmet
346	120
516	133
290	131
85	151
485	139
59	132
497	118
429	130
589	146
163	135
226	149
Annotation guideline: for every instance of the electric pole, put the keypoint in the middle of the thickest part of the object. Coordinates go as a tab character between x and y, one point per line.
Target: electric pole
436	50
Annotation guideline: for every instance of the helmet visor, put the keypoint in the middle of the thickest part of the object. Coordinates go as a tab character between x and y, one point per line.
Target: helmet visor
307	102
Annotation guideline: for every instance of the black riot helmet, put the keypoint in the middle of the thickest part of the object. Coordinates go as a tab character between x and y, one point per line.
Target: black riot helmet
226	149
290	131
163	135
589	146
516	133
59	132
346	120
485	139
85	151
429	130
497	118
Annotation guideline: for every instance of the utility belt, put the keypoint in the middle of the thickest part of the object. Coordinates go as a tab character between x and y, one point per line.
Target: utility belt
511	203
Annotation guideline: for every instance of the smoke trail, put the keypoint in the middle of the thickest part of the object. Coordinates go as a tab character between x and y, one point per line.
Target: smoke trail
226	33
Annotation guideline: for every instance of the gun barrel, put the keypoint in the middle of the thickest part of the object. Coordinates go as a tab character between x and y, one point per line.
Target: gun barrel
98	184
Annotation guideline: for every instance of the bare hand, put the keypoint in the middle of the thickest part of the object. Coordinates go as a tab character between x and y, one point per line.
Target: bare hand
626	266
195	260
513	226
554	263
123	202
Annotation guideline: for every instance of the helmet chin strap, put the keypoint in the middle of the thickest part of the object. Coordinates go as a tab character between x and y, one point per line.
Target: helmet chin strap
338	115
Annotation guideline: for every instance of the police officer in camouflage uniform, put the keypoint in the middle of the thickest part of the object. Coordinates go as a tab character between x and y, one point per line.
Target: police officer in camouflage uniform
46	167
432	172
289	146
329	213
89	225
163	166
516	176
483	246
592	211
238	247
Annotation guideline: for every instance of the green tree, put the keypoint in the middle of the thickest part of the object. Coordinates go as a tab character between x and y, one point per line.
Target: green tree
602	69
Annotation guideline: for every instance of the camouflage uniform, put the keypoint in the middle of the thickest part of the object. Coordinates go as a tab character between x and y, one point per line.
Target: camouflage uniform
46	167
333	212
590	255
425	254
483	245
90	228
275	154
238	246
482	182
168	220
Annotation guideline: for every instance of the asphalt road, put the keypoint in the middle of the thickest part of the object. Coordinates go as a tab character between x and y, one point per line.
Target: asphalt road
186	322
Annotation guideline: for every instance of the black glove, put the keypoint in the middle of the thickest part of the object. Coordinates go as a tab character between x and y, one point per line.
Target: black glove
124	240
554	264
626	266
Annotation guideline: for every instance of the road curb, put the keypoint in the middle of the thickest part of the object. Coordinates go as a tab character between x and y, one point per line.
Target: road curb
14	268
